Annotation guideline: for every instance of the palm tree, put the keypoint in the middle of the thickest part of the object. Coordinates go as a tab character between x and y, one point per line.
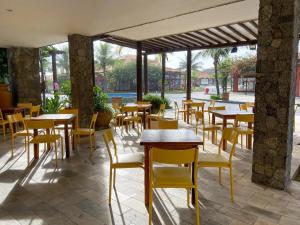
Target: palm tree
216	54
104	56
63	60
195	61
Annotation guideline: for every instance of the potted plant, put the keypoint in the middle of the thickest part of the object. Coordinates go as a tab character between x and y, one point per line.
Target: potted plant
105	112
5	94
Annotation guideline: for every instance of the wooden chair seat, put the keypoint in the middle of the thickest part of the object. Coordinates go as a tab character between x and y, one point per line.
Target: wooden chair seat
172	177
130	160
212	159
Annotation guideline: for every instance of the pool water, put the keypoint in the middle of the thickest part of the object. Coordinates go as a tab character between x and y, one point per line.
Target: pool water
128	97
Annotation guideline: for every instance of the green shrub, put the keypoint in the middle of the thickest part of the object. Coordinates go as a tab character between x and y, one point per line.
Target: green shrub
215	97
101	100
156	101
65	89
53	104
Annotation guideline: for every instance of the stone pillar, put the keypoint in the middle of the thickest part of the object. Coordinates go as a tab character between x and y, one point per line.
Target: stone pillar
82	76
24	69
275	92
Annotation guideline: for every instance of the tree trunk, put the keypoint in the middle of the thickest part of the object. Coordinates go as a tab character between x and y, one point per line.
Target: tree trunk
216	77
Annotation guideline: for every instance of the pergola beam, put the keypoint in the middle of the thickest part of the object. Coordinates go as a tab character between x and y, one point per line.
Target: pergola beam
248	29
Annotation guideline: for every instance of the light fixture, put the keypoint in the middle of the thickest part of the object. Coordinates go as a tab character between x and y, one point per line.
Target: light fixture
234	49
252	47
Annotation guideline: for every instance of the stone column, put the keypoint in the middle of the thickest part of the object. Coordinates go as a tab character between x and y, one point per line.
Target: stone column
24	70
82	76
275	92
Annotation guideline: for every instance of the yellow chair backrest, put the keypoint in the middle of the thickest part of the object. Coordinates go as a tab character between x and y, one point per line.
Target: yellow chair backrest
18	117
35	110
216	108
116	101
128	109
168	156
143	102
243	107
25	105
199	116
93	121
247	118
1	115
231	136
71	111
162	108
109	139
250	104
39	124
198	105
167	124
176	105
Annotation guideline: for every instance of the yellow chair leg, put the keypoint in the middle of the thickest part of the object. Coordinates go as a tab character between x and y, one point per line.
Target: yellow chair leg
150	205
55	149
197	207
110	181
231	184
4	130
115	170
220	175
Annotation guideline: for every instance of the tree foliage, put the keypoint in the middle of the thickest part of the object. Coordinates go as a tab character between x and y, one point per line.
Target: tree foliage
245	65
104	57
225	68
216	54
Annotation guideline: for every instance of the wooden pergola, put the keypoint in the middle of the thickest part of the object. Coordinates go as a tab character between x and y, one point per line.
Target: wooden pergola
228	35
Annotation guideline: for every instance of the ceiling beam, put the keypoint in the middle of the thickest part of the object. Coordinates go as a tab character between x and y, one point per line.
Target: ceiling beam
187	40
209	38
254	24
248	29
177	41
238	32
225	33
195	39
217	35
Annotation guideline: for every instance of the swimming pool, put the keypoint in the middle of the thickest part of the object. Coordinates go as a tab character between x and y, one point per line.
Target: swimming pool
128	97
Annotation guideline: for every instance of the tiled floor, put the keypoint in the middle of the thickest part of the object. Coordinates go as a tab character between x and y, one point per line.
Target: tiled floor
77	192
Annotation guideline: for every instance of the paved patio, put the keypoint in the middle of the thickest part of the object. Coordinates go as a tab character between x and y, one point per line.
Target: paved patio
77	191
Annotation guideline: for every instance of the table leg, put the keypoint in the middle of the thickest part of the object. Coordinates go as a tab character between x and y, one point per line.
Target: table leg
36	146
249	143
146	174
48	144
224	126
188	114
67	147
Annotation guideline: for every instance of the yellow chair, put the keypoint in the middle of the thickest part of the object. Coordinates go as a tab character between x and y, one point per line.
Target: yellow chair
242	130
243	107
209	128
73	111
219	160
47	138
131	116
167	124
3	123
157	116
211	104
78	132
196	107
35	110
121	161
117	115
178	111
27	106
174	176
14	122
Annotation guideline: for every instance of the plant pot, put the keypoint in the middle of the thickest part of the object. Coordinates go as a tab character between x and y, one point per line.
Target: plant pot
5	96
225	96
103	119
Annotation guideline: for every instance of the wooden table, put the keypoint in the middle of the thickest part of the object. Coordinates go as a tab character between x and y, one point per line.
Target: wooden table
58	119
143	108
12	110
168	139
231	114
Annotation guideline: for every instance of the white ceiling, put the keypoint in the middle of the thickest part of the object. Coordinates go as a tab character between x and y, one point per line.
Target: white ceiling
36	23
